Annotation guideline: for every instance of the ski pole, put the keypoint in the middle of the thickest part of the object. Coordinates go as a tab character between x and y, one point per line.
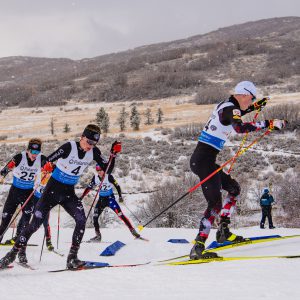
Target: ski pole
18	212
132	213
100	185
42	247
58	226
205	179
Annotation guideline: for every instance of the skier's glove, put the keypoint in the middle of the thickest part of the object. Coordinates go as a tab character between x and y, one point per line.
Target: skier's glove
116	147
260	104
276	124
121	200
48	167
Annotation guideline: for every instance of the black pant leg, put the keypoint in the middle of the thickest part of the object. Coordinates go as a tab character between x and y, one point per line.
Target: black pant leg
74	208
43	206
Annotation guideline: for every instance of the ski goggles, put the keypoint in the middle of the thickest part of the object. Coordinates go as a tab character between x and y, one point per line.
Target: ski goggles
32	151
91	142
253	97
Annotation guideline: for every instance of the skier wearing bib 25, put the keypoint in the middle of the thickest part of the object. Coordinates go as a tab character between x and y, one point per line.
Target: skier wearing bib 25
107	199
225	118
72	159
25	166
40	182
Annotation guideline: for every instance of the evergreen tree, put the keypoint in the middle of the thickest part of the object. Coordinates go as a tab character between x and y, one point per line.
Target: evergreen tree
102	120
159	115
148	116
122	119
135	118
67	128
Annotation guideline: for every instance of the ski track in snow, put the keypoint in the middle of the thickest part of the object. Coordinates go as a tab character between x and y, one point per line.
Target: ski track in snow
256	279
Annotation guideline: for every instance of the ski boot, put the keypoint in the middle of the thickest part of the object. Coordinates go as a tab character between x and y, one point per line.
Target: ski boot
272	227
8	258
223	233
97	238
22	256
134	233
198	250
262	226
73	262
49	244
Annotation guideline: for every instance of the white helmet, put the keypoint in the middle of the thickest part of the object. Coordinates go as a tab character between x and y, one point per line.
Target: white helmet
245	88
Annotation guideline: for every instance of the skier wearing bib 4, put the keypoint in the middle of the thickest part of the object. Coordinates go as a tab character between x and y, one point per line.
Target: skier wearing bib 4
225	118
72	159
25	166
107	199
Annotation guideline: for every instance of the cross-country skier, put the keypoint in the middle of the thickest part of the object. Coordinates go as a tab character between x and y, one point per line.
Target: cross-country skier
40	183
266	202
25	166
72	159
107	199
225	118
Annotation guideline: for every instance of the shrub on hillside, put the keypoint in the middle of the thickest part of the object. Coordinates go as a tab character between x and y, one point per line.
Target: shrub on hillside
210	95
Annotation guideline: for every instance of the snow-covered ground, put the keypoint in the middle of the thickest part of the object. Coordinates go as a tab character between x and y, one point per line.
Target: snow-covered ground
256	279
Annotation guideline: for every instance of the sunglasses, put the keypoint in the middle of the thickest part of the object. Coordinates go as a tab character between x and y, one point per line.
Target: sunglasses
91	142
34	151
253	97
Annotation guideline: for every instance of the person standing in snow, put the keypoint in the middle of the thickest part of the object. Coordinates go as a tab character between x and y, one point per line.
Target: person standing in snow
107	199
225	118
72	159
266	202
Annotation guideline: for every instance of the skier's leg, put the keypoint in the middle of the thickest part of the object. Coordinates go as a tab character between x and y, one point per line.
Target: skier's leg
212	193
113	204
42	208
74	208
233	189
26	215
10	206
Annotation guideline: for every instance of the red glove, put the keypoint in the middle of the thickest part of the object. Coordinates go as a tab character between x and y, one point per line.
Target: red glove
11	164
116	147
48	167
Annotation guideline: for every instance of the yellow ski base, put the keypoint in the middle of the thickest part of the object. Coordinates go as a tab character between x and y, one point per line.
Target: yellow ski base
221	259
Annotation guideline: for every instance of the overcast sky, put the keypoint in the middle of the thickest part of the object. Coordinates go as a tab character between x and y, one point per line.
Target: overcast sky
87	28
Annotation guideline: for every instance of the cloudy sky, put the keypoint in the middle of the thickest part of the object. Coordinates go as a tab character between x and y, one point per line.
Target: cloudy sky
87	28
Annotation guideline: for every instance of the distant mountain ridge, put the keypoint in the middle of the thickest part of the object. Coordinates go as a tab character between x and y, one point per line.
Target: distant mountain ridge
266	50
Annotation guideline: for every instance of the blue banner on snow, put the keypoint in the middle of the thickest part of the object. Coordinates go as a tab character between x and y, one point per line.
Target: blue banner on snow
112	249
178	241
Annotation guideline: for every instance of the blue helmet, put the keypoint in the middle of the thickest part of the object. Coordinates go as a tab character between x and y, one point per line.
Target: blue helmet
266	190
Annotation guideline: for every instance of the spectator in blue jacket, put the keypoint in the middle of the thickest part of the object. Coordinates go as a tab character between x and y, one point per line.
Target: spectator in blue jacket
266	202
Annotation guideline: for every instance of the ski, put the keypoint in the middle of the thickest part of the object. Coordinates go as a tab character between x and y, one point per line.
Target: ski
248	241
9	245
26	266
90	265
56	252
229	245
222	259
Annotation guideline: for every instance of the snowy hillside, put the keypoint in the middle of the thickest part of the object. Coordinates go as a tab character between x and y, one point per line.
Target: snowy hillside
256	279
